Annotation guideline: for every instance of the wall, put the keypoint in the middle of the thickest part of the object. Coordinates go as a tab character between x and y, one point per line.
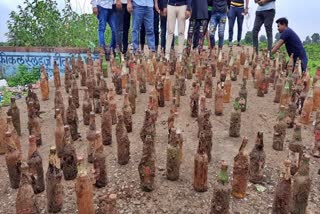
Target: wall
12	57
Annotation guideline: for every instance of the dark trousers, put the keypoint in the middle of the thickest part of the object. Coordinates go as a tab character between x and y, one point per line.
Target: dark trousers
123	25
203	23
263	17
195	41
156	30
235	13
163	35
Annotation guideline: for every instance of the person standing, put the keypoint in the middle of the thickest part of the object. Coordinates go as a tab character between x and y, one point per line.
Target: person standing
156	12
142	12
163	25
238	9
123	25
105	13
265	14
176	10
199	14
218	19
293	44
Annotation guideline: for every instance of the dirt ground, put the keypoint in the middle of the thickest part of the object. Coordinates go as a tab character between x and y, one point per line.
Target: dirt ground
179	196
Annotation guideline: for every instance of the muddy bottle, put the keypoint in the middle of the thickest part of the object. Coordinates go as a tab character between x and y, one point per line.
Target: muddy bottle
132	96
99	163
56	75
13	161
208	86
54	187
35	166
296	149
14	112
3	129
86	108
84	189
285	94
112	106
200	179
316	148
146	166
26	199
106	126
34	124
160	93
127	113
243	94
44	84
235	120
279	89
123	142
280	127
227	90
9	127
307	109
69	157
173	162
72	119
194	101
91	137
257	161
220	203
301	187
75	93
59	133
218	110
281	201
240	172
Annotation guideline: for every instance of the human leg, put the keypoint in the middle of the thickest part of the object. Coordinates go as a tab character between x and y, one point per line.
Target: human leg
258	22
171	22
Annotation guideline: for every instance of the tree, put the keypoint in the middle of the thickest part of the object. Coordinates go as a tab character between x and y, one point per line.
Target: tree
41	23
277	37
307	41
315	38
248	38
263	38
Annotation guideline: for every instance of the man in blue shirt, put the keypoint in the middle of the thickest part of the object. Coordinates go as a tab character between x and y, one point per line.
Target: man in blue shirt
293	43
105	14
142	12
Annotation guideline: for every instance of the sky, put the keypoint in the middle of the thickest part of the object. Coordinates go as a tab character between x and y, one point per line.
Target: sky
303	16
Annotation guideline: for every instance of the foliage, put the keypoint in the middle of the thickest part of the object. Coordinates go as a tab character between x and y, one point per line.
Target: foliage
315	38
24	76
313	52
41	23
263	38
6	96
248	38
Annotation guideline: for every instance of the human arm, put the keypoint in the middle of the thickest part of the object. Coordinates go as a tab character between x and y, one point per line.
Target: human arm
188	11
94	7
277	46
118	5
129	6
246	8
156	6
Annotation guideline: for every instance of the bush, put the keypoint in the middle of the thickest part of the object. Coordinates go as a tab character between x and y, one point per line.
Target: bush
24	76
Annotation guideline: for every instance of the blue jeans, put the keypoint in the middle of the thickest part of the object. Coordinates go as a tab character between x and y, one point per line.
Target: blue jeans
235	13
217	20
142	14
156	30
123	25
106	16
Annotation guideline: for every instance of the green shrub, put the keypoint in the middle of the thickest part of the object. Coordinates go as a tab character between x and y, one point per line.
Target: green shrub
24	76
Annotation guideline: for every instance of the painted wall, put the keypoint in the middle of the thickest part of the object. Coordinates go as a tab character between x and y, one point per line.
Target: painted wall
12	57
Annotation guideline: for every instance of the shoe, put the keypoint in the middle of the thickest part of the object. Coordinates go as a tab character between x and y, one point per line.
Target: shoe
230	44
239	45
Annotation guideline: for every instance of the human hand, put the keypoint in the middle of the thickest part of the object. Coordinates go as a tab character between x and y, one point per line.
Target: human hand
164	12
246	11
129	7
156	7
118	5
95	11
188	14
